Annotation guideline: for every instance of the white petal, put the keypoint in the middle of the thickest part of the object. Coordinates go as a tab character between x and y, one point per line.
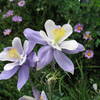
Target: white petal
69	45
69	30
44	36
23	59
95	87
56	47
26	44
4	56
49	26
16	43
10	66
43	96
26	98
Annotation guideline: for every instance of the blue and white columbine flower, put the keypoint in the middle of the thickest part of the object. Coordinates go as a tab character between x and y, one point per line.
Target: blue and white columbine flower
20	60
15	54
55	44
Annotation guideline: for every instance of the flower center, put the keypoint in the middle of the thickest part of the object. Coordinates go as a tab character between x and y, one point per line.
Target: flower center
58	33
41	98
88	36
89	54
13	53
79	28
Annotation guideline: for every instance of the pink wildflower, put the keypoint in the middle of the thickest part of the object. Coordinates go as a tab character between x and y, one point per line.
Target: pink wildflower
21	3
89	54
17	19
7	32
78	28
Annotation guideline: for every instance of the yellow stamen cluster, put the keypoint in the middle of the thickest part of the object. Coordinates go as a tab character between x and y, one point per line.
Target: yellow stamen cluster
89	54
79	28
13	53
58	33
41	98
88	36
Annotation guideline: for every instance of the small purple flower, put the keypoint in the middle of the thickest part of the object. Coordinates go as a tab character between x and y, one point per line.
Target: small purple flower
78	28
89	54
17	19
8	14
21	3
87	35
7	32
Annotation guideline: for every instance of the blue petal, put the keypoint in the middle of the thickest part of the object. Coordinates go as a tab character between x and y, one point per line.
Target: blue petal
8	74
63	61
23	76
36	93
32	35
45	55
31	45
30	60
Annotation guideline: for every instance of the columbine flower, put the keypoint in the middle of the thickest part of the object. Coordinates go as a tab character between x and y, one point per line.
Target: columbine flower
7	31
36	94
54	45
20	61
21	3
89	54
17	19
87	36
8	14
78	28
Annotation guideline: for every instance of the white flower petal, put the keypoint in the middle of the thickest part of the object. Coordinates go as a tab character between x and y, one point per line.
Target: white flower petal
16	43
56	46
10	66
44	36
26	98
69	45
95	87
23	59
3	56
43	96
49	26
69	30
25	46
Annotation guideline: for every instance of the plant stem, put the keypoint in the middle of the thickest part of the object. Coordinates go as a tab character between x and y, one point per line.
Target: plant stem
80	68
50	94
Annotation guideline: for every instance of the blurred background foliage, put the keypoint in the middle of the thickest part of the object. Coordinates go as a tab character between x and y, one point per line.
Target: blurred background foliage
34	14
